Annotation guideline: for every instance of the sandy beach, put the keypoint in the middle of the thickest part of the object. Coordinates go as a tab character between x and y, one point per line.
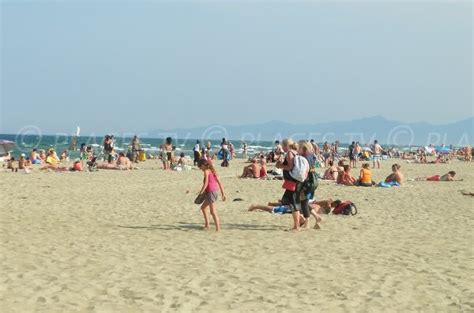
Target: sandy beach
132	241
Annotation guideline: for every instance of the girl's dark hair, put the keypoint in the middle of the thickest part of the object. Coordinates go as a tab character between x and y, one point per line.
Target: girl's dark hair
182	154
452	173
336	203
169	140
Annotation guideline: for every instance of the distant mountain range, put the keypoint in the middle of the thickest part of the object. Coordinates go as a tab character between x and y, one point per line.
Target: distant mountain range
363	130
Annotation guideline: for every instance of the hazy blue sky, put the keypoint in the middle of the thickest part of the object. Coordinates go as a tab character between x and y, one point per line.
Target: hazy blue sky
134	66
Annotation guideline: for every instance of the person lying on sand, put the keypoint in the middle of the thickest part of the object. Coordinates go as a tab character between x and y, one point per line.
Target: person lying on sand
396	176
317	207
279	208
446	177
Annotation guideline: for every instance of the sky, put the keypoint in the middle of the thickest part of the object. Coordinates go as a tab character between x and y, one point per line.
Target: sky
118	66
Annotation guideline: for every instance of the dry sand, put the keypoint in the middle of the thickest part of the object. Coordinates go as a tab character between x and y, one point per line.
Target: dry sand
116	241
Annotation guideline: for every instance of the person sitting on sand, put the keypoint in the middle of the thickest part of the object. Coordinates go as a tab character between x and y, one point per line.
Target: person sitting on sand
77	166
252	170
42	156
123	162
345	178
22	162
52	161
446	177
12	165
263	166
340	168
365	176
396	176
182	160
332	172
64	156
34	157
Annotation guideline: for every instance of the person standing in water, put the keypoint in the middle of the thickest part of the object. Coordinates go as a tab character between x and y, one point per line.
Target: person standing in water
225	153
244	152
135	148
197	152
167	153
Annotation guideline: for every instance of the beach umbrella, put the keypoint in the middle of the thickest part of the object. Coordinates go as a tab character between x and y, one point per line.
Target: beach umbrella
6	146
442	149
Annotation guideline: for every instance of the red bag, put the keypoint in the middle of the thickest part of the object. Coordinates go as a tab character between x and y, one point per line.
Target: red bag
345	208
289	185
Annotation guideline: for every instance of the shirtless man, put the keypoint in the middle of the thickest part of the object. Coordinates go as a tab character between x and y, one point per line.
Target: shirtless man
316	148
396	175
252	170
377	150
468	153
278	149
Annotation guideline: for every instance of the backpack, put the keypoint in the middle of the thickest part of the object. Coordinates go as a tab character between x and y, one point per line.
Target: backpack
300	168
345	208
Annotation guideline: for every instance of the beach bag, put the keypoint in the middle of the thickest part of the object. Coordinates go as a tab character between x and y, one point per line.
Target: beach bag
300	168
200	198
289	185
311	183
345	208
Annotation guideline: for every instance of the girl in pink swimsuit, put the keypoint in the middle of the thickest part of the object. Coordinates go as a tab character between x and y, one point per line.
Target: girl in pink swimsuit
210	187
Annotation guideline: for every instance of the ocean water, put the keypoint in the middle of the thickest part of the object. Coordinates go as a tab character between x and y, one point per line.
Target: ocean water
25	143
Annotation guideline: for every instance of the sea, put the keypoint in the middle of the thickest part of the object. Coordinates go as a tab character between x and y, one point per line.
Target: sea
25	143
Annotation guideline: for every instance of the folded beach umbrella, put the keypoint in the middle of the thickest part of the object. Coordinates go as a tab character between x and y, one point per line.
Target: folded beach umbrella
6	146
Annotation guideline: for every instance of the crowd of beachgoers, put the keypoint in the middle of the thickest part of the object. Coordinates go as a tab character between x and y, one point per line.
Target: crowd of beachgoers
294	163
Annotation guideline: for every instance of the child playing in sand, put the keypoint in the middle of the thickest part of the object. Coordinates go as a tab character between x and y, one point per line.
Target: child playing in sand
210	187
